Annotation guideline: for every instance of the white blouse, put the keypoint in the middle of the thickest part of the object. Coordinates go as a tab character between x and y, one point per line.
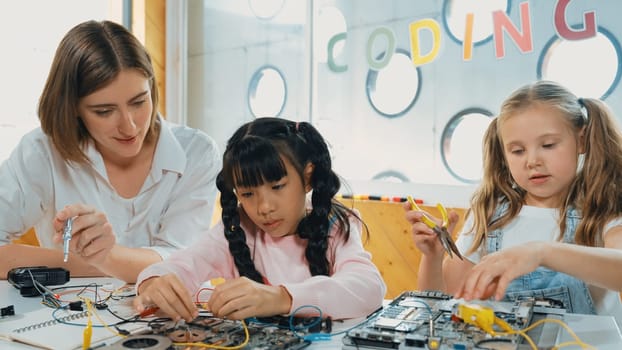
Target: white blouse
173	207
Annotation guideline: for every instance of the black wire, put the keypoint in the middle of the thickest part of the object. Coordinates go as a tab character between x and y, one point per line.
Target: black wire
86	287
75	286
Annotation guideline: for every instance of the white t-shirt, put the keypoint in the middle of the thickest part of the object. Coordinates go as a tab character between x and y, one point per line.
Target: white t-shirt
172	208
540	224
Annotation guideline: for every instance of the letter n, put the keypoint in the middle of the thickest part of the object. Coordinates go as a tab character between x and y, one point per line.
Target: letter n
501	21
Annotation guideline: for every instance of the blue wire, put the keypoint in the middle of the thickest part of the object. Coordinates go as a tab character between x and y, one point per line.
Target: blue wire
315	322
291	320
420	301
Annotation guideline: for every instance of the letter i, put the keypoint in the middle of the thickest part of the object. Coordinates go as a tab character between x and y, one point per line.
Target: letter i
467	43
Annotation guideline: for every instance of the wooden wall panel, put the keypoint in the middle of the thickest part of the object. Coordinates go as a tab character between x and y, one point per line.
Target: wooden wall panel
149	25
155	41
390	241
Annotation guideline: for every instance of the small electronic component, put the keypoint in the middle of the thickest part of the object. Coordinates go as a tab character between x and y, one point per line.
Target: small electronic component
7	311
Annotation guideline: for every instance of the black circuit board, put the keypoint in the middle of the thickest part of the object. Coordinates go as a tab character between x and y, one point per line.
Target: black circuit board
423	320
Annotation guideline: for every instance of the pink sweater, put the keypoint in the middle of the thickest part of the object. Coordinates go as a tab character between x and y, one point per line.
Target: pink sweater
355	287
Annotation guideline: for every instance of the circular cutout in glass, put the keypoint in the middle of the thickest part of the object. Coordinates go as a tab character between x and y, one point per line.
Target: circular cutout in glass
455	14
330	22
588	67
461	144
265	9
393	90
391	176
267	92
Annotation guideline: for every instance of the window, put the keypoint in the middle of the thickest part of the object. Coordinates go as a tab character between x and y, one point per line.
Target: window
461	146
41	25
381	92
267	92
597	58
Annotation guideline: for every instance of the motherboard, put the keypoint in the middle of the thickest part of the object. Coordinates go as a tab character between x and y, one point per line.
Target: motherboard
433	320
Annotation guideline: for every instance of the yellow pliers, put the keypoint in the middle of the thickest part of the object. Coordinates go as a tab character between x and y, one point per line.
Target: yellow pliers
441	230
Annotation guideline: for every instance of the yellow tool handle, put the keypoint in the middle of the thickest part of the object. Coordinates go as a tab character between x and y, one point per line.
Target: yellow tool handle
443	212
426	220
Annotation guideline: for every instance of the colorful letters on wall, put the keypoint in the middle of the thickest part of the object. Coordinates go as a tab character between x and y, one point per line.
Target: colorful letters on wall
520	34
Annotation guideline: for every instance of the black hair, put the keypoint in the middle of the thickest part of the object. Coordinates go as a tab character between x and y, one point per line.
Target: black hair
254	156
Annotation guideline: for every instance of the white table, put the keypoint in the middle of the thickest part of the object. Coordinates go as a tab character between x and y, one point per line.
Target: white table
9	295
601	332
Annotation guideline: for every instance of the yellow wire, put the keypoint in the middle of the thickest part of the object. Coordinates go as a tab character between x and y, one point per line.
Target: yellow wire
576	341
101	321
88	330
211	346
568	343
509	331
523	333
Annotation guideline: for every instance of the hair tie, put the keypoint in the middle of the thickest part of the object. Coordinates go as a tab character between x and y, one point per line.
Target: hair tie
581	102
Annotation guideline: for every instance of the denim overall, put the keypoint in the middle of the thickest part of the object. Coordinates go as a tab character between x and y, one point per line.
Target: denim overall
542	282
